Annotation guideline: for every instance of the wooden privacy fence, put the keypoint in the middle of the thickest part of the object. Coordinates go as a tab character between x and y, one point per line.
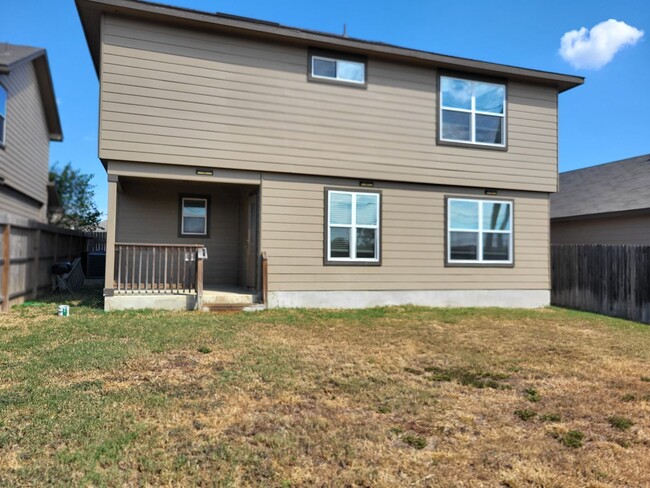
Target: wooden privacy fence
158	268
28	250
609	279
96	241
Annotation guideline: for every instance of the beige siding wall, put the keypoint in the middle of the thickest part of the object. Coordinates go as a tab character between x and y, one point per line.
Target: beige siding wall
13	203
413	237
184	97
24	160
626	229
148	212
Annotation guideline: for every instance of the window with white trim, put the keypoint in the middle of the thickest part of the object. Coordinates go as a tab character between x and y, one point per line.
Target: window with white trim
479	231
338	69
3	114
472	112
353	221
194	216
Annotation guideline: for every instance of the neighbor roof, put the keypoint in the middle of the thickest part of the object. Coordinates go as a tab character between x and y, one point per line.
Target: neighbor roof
90	13
612	187
12	56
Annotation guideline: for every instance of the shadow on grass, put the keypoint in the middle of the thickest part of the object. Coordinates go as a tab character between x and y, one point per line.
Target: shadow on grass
88	297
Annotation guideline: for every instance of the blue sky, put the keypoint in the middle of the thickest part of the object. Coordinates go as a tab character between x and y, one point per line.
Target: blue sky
606	119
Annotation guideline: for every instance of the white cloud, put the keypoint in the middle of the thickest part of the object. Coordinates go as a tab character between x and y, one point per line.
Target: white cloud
595	48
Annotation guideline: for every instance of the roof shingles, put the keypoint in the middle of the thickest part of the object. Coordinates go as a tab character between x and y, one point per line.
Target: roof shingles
13	53
612	187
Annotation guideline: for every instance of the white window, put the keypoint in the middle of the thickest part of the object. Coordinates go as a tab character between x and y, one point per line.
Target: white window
353	226
194	216
338	69
472	112
3	114
479	231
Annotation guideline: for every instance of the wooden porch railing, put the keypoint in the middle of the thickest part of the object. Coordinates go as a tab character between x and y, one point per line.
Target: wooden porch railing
158	268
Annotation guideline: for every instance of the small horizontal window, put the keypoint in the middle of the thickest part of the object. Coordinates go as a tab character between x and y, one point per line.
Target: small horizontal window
472	112
338	69
479	231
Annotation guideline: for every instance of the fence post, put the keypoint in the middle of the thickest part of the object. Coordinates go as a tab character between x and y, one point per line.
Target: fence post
55	254
109	276
199	281
265	279
6	256
36	263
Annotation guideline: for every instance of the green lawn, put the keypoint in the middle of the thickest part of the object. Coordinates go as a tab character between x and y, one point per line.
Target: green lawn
382	397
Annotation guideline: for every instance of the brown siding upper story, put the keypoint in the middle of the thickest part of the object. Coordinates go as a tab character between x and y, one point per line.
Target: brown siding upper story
24	159
175	96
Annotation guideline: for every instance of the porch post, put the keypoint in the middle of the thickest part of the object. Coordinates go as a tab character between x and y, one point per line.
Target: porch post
111	226
6	265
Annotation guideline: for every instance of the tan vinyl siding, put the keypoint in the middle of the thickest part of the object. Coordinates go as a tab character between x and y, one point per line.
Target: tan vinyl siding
148	212
175	96
13	203
622	229
24	160
413	240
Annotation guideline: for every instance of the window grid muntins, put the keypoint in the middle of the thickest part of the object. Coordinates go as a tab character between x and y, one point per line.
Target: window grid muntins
352	227
338	76
472	112
187	214
480	232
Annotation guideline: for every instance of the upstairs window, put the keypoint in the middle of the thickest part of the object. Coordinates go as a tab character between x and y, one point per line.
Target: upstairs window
342	69
3	114
472	112
352	227
195	216
479	231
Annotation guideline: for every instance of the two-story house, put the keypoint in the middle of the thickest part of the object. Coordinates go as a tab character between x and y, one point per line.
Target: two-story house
29	120
366	174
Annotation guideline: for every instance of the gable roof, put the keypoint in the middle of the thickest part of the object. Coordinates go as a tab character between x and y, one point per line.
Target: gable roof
611	187
12	56
90	13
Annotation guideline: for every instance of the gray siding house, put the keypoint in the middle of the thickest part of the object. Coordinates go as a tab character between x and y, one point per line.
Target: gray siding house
29	120
604	204
316	169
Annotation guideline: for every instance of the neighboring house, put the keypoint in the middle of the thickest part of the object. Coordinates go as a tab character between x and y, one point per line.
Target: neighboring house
368	174
604	204
29	120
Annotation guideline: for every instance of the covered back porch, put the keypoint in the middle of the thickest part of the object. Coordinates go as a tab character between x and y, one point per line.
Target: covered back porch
182	244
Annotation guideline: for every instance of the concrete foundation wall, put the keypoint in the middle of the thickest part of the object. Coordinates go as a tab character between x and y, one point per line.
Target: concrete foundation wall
427	298
159	302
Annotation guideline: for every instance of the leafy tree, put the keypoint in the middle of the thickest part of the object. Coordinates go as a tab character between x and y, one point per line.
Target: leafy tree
77	199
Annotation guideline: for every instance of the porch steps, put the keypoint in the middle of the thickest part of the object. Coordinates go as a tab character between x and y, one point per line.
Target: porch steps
233	307
230	300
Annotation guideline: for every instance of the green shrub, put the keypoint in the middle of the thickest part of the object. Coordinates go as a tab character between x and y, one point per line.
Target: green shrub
525	414
532	395
573	439
550	417
620	423
415	441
